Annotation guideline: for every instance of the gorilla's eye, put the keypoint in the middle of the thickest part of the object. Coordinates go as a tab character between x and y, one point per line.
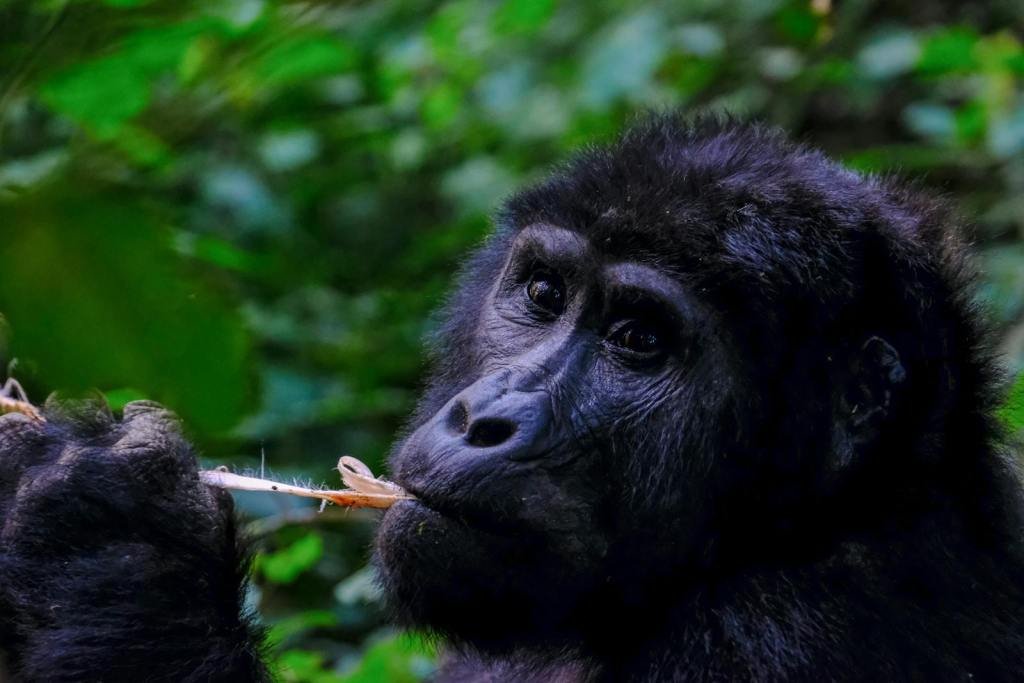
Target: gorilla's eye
547	290
638	337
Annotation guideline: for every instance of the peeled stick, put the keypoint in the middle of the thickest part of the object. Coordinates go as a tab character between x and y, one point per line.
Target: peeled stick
364	490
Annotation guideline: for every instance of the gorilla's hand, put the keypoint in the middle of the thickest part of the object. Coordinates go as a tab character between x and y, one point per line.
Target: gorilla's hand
116	563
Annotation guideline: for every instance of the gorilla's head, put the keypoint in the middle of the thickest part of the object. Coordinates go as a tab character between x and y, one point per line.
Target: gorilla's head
680	355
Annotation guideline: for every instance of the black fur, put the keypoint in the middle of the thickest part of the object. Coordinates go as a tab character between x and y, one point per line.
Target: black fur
804	480
116	564
735	519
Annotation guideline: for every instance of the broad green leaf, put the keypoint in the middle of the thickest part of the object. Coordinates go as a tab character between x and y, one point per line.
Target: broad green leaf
138	144
300	622
891	157
305	666
971	122
162	48
446	25
103	93
302	59
798	23
119	398
218	252
402	658
523	16
441	105
1012	412
949	50
96	298
285	565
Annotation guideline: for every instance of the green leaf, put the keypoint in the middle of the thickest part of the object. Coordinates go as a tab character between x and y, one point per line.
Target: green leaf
106	92
971	122
1015	63
951	50
138	144
798	23
218	252
1012	412
441	105
305	666
162	48
402	658
103	93
887	158
523	16
303	59
285	565
298	623
119	398
96	298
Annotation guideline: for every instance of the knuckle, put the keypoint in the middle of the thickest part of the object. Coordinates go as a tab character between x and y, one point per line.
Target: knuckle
23	445
80	417
150	430
19	433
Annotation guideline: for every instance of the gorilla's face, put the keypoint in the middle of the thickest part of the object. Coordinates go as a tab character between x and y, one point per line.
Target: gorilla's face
667	357
562	430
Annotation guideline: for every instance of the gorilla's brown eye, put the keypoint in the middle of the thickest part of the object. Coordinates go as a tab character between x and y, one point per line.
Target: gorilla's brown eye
637	337
547	291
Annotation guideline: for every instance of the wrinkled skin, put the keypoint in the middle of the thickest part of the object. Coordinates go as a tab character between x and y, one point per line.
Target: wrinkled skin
706	406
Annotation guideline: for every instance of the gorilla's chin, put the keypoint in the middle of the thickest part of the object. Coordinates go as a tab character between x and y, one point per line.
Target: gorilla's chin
468	584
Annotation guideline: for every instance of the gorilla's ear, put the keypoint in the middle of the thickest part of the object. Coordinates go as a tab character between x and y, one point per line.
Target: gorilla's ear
862	405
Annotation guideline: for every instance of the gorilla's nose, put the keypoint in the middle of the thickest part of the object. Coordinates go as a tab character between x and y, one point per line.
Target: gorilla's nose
489	431
491	414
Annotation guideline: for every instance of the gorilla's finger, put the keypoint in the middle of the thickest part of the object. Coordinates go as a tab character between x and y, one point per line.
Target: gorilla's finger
84	468
21	445
81	418
151	446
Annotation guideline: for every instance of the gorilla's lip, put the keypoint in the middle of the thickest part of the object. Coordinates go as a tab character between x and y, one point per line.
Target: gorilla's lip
423	495
415	503
476	517
420	506
424	499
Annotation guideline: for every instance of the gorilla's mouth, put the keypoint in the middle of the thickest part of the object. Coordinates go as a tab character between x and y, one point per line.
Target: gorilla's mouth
416	506
469	516
439	505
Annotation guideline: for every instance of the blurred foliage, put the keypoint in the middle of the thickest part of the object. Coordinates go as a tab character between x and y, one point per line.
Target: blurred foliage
285	564
1012	412
247	209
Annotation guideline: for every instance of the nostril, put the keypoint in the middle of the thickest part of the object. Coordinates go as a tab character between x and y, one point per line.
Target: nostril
489	431
458	418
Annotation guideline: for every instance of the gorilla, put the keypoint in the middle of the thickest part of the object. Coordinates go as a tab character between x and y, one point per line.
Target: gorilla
705	406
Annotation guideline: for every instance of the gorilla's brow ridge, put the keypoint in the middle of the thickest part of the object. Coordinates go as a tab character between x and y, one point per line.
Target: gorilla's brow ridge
559	243
654	283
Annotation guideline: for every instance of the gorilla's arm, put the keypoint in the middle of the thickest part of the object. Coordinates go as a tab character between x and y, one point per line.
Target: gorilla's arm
116	563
